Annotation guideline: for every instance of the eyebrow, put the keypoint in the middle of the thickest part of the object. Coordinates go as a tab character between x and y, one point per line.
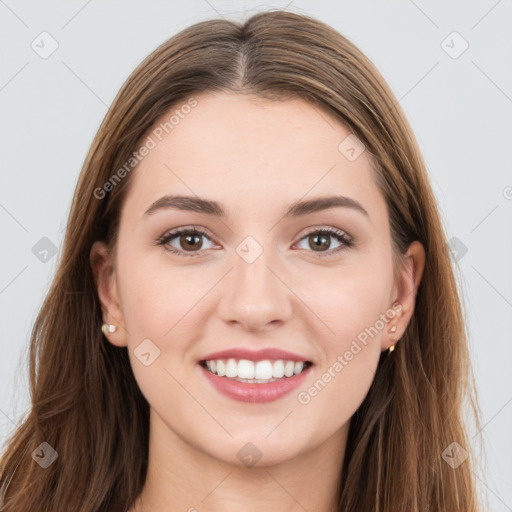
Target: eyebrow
297	209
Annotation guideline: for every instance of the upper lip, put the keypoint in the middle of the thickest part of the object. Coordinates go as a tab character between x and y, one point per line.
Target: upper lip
255	355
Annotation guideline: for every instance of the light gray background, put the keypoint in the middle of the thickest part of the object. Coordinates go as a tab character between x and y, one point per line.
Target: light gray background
459	108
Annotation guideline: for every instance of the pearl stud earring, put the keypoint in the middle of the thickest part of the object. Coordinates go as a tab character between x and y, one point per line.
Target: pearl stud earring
108	328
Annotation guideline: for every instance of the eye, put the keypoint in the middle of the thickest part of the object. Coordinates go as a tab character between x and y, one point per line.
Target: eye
188	238
189	241
318	239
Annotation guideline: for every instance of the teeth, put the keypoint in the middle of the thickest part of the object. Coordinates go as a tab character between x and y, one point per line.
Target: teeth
231	368
245	369
261	371
278	369
289	367
221	368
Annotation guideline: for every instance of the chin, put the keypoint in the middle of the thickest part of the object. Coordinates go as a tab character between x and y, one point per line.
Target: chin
252	450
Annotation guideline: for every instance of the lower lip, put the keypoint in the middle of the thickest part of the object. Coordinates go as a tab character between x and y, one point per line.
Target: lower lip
255	393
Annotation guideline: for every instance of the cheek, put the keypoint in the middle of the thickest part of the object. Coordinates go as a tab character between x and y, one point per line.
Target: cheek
352	303
352	310
159	304
155	296
348	300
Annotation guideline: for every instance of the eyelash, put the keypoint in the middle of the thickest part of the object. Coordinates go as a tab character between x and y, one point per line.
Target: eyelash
347	241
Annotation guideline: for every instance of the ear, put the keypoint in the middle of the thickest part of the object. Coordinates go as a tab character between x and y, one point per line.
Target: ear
405	292
106	286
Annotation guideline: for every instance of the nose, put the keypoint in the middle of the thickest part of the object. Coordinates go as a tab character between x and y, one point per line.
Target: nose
255	296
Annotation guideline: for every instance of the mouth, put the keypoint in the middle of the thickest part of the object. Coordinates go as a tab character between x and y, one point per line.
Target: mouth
254	382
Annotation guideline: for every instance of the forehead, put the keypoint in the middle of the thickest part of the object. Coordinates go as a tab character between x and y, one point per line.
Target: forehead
250	152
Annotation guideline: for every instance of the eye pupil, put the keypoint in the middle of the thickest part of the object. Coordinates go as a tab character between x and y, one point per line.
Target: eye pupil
320	245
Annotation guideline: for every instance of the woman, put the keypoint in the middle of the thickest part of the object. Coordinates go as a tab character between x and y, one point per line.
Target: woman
254	308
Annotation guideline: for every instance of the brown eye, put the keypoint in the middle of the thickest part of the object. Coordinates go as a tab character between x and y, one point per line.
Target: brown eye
319	241
184	242
191	241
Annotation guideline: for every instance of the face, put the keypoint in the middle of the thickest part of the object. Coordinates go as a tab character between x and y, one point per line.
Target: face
316	283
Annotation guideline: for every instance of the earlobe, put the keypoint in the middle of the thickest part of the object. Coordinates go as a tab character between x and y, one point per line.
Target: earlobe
112	324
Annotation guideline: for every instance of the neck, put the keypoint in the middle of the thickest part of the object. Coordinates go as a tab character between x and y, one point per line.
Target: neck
183	477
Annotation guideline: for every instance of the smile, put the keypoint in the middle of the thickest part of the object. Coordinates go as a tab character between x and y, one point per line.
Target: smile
255	381
244	370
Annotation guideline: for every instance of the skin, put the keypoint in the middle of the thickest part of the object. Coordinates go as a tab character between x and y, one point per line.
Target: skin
255	157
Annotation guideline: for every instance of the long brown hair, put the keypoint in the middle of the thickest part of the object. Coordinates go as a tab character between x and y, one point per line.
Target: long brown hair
85	402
